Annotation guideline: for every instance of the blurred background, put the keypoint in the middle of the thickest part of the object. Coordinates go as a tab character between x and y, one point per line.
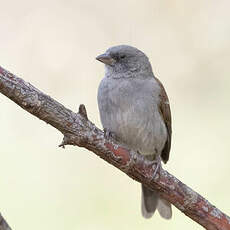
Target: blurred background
53	45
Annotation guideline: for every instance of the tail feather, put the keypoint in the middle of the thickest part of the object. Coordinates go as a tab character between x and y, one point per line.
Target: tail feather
151	201
164	208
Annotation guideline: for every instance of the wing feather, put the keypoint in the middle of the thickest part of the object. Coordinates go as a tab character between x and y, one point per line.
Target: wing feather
165	112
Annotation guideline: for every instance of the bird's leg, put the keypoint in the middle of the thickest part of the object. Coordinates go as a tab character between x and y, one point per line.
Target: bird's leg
157	161
108	134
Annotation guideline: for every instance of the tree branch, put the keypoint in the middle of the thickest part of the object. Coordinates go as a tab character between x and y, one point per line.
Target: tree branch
3	224
78	130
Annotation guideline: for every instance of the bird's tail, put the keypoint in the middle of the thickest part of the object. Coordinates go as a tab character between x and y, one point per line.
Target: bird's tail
151	201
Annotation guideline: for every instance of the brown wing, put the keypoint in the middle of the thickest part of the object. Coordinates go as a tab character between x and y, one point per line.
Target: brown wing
164	109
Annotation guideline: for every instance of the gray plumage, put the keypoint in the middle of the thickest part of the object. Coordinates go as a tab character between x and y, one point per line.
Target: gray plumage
130	103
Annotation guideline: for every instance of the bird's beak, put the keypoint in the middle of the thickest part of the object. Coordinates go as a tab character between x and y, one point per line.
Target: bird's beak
106	59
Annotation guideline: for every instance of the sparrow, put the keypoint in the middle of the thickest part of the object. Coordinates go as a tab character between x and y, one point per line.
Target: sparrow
134	106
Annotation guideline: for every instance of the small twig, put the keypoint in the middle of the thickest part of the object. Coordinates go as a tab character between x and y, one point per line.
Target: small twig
3	224
82	111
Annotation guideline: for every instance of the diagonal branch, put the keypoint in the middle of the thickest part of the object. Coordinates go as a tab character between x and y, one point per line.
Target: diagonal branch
3	224
78	130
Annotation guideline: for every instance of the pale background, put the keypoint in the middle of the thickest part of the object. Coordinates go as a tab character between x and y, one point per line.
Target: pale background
53	45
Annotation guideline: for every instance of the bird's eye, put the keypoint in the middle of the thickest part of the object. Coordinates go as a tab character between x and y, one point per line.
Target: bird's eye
122	56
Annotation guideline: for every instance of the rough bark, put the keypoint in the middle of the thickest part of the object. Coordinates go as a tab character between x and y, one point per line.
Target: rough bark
78	130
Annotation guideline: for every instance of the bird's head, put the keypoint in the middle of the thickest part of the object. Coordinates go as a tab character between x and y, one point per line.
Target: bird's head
125	61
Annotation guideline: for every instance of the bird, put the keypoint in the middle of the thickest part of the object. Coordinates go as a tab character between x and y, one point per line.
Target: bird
134	107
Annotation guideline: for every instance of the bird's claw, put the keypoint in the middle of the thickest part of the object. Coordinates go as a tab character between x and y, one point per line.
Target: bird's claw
158	166
108	134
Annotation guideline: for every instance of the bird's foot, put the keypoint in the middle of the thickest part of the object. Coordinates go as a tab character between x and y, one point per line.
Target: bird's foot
157	161
108	134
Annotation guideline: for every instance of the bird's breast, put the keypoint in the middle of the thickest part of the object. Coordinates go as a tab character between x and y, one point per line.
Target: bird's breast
130	110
